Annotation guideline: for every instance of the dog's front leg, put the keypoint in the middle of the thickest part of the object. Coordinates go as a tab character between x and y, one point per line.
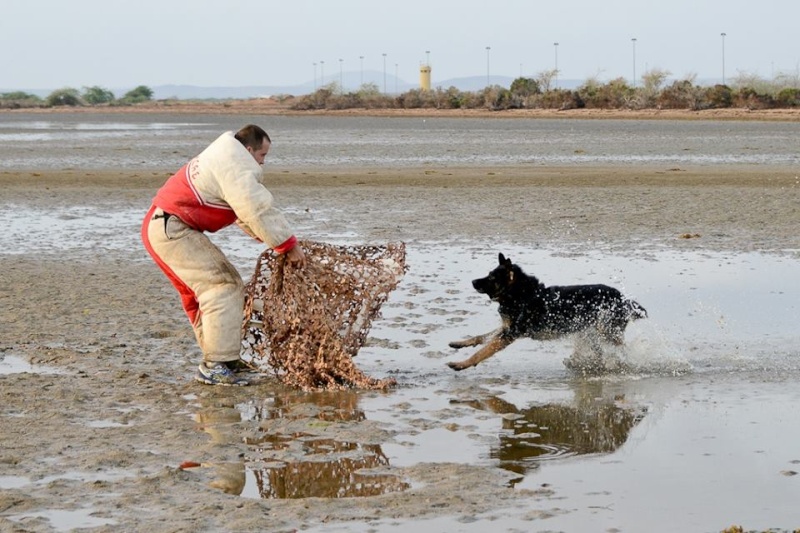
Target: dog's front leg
495	344
474	341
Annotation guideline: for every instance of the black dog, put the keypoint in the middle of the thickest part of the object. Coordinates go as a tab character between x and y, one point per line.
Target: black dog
529	309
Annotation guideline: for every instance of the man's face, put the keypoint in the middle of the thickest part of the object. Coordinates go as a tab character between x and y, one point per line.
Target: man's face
260	154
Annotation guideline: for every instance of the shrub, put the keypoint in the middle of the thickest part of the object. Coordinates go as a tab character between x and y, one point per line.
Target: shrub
524	87
138	95
788	97
647	95
412	99
19	99
615	94
64	97
497	98
97	95
752	99
682	94
556	99
545	78
719	96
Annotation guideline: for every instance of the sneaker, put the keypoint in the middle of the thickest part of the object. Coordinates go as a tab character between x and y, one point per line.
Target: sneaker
240	367
219	374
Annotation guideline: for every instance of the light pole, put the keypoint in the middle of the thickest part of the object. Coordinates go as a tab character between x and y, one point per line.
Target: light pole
634	61
395	79
315	76
322	74
488	78
428	57
723	57
362	69
555	47
384	73
341	79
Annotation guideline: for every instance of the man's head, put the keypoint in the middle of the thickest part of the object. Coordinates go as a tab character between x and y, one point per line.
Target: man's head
255	140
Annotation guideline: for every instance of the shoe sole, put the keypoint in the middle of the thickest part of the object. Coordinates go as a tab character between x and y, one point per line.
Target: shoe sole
204	380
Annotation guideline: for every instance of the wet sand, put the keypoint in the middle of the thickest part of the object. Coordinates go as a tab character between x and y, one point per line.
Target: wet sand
99	441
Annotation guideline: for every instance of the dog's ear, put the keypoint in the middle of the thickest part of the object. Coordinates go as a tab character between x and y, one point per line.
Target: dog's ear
501	258
504	261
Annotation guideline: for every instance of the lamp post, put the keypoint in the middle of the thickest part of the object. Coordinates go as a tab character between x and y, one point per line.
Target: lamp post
315	76
723	57
395	79
555	47
362	69
322	74
488	78
634	61
384	73
341	79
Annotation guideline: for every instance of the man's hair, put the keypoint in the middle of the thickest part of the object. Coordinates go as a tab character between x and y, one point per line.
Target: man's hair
252	136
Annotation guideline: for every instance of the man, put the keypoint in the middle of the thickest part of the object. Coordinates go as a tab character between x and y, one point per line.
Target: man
220	186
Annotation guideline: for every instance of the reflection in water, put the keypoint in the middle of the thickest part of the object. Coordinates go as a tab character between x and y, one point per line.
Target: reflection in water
298	464
335	475
219	422
326	406
541	432
229	477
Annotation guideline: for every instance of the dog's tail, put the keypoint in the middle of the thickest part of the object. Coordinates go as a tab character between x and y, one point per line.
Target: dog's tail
635	310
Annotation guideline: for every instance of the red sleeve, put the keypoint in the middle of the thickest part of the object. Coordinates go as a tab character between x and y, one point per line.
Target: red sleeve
287	245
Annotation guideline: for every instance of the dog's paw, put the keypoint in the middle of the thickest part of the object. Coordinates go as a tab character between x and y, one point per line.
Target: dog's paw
456	344
456	366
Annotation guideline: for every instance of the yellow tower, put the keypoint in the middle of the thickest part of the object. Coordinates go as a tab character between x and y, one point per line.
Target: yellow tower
425	77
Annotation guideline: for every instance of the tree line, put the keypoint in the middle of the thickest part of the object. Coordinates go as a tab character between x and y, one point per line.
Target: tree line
654	91
541	92
69	96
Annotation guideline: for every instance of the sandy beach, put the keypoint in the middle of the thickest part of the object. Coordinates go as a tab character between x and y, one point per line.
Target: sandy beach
97	426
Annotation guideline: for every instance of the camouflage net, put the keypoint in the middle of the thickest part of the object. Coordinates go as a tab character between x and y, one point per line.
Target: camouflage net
309	323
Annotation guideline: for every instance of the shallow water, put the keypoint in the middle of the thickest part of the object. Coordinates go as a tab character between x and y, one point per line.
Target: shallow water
710	401
11	364
97	141
715	310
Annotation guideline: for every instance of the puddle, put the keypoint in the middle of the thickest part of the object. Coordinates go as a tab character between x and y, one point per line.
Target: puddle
537	433
63	520
334	470
105	424
15	482
11	364
708	312
286	464
488	429
712	317
715	455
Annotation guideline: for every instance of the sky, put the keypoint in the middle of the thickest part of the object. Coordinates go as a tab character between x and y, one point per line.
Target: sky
50	44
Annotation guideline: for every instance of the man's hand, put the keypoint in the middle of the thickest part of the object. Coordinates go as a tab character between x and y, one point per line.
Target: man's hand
296	257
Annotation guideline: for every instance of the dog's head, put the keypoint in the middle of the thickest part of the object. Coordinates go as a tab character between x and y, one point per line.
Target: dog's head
499	280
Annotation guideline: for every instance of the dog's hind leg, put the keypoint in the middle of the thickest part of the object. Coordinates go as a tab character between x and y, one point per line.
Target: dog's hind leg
587	356
474	341
495	344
